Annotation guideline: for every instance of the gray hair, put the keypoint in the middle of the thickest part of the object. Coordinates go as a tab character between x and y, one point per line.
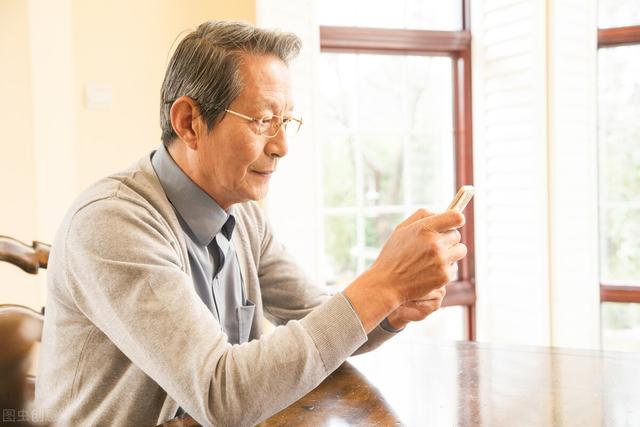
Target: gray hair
205	67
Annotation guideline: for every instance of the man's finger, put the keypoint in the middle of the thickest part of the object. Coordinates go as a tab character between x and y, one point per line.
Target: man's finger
457	252
417	215
450	238
453	271
442	222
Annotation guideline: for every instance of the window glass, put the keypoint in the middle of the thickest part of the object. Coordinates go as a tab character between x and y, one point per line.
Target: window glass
618	13
387	149
619	163
339	184
621	326
413	14
340	262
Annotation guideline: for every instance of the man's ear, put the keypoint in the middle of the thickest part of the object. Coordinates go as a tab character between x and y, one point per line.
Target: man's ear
186	120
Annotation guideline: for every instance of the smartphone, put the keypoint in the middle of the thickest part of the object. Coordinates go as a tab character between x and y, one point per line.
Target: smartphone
462	197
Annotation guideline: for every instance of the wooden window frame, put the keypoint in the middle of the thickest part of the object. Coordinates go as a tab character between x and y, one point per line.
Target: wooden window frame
608	38
457	46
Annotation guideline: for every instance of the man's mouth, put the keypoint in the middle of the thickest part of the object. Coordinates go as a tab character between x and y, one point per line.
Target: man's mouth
263	173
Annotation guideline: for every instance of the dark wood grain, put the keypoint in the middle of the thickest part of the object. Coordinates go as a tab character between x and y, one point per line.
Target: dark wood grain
346	397
619	293
393	41
472	384
29	258
620	36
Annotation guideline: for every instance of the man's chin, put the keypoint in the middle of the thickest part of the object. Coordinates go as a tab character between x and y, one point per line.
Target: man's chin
257	194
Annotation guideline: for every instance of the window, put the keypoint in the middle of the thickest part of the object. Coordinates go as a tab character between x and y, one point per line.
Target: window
396	127
619	180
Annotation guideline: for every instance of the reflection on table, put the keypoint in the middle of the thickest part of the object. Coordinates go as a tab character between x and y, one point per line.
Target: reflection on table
475	384
424	383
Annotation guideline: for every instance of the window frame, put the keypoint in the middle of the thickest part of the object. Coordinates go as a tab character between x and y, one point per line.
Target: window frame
457	46
610	38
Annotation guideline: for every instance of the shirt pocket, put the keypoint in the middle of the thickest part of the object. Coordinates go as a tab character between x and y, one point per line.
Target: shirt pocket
245	320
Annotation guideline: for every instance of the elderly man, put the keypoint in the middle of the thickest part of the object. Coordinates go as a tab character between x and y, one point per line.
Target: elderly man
160	275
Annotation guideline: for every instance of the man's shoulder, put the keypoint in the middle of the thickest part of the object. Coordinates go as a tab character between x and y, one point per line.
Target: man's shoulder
136	186
127	206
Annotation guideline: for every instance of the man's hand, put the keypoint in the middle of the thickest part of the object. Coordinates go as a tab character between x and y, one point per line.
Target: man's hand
415	260
422	252
414	311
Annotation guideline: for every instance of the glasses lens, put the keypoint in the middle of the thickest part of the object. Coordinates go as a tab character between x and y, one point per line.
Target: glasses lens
273	124
270	126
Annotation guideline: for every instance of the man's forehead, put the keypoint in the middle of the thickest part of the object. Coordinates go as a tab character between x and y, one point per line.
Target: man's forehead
275	104
266	82
264	70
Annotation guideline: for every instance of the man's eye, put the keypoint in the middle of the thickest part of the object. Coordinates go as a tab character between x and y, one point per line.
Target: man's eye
267	120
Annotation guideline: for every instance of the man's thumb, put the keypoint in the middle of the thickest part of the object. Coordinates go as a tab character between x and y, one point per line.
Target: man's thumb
445	221
416	216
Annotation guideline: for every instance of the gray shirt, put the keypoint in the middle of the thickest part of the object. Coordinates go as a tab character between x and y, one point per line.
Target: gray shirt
207	231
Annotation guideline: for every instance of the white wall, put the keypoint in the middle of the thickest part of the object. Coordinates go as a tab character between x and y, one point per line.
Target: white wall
294	196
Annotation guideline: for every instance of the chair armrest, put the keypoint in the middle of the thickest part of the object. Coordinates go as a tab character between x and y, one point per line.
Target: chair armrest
29	258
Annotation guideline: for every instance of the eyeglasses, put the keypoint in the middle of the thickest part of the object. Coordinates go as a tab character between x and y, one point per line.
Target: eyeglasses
269	125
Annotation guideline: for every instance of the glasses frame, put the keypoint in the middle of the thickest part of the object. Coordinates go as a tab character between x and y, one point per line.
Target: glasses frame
284	122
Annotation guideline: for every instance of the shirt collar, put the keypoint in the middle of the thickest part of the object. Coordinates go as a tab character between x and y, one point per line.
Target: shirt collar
204	217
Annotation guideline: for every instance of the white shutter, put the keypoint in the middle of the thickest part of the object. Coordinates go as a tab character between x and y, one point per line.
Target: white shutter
510	157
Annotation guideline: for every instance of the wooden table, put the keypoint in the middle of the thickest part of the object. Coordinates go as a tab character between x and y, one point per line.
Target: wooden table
429	383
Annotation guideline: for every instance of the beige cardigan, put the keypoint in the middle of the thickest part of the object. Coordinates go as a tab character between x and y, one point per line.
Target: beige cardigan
127	340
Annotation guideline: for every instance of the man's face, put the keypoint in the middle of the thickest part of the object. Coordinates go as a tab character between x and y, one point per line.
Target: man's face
234	164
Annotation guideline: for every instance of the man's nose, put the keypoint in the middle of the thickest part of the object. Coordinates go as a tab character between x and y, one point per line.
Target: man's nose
277	146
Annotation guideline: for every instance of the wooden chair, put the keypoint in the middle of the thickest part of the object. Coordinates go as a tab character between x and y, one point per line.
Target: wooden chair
30	259
18	332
